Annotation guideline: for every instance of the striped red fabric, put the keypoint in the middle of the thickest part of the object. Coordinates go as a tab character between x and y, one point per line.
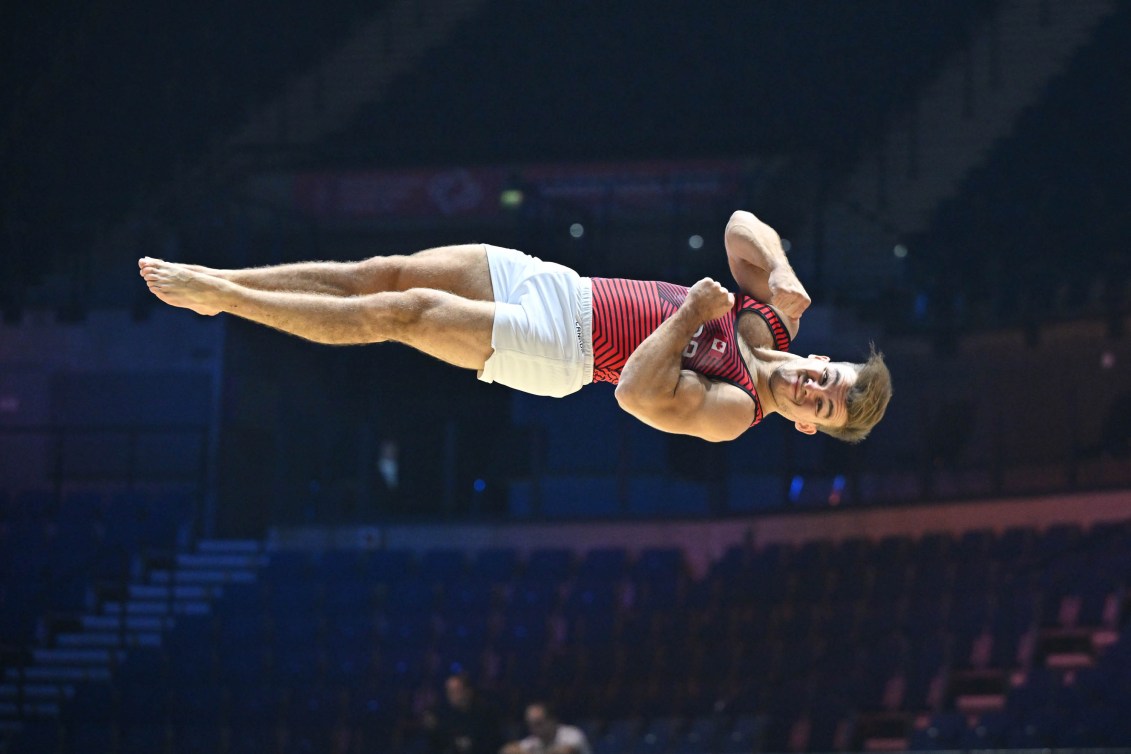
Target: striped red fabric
625	312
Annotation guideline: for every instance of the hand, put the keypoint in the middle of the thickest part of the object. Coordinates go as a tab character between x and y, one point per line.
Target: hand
787	293
709	300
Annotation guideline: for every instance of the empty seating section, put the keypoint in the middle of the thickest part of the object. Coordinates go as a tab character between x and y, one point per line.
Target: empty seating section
988	639
55	550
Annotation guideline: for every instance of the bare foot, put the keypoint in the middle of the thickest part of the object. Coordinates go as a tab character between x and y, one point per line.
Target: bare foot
179	285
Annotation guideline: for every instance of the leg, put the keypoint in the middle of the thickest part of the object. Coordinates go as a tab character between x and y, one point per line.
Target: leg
462	270
451	328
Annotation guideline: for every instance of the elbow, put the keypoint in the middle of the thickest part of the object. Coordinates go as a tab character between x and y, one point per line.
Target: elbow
626	396
634	400
739	218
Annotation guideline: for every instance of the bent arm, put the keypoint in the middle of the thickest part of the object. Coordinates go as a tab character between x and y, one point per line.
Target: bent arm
759	265
703	408
656	389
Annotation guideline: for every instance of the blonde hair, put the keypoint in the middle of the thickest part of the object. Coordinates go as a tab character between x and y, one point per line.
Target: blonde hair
866	401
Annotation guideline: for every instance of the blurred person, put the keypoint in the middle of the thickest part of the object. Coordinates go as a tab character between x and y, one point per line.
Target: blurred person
548	735
468	724
700	361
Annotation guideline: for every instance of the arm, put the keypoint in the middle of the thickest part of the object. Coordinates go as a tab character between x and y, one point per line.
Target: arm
655	389
759	265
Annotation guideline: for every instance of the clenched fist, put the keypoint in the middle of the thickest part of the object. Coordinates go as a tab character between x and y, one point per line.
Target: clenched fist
709	300
787	293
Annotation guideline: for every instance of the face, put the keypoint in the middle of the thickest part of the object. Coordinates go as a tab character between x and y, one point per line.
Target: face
540	725
459	695
811	392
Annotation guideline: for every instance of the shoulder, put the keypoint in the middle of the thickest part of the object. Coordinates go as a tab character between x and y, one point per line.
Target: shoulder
569	734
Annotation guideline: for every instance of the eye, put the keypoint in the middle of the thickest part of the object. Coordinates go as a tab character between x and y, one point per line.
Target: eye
824	376
819	405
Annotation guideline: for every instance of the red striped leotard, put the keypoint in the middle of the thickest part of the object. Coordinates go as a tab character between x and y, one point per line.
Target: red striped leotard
625	312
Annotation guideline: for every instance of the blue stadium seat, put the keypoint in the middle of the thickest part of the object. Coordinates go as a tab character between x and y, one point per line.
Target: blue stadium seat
93	702
932	547
924	614
94	736
892	549
1012	545
932	578
197	738
467	596
533	595
247	738
603	564
145	737
388	565
657	737
697	738
1058	540
551	565
37	737
617	738
973	545
409	597
592	597
987	732
442	565
744	735
496	565
339	565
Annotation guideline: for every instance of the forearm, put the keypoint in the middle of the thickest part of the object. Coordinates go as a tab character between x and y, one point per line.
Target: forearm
653	370
324	319
329	278
752	241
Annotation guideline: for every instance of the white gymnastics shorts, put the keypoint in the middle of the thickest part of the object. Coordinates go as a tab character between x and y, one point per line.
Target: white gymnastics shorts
543	329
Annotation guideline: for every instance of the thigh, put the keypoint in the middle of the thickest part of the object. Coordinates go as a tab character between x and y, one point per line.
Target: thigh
462	270
441	324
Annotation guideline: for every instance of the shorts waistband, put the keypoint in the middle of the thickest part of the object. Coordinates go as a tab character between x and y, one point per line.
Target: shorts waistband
585	309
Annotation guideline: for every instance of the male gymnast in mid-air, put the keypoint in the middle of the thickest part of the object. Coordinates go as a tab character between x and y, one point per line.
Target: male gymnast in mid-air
699	361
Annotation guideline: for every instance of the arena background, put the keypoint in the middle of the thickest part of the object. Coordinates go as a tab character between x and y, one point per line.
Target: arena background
218	538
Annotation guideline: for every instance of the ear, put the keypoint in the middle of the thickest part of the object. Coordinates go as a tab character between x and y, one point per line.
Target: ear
818	357
805	428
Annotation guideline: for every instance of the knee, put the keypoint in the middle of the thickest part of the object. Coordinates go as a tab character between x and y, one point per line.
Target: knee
381	274
406	309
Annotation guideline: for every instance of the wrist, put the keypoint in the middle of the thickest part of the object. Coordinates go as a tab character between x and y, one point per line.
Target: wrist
689	316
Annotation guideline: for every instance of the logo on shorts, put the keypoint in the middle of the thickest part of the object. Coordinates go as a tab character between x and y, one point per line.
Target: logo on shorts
580	340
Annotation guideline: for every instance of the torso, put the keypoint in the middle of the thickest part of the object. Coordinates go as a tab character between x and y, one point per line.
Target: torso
625	312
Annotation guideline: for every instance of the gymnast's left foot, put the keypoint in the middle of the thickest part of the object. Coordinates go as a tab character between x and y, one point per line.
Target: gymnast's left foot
178	285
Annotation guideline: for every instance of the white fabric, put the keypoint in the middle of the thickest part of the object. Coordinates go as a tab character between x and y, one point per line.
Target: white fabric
567	735
543	328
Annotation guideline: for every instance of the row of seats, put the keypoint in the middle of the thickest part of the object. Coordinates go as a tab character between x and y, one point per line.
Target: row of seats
55	551
317	646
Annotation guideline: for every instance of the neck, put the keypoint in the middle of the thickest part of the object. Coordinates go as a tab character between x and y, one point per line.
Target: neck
762	362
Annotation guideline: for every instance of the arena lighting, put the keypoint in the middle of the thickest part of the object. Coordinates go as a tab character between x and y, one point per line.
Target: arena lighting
836	494
511	198
900	251
795	487
695	242
786	244
577	230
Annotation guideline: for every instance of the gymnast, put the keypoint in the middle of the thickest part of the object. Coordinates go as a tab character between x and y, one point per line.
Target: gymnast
699	361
